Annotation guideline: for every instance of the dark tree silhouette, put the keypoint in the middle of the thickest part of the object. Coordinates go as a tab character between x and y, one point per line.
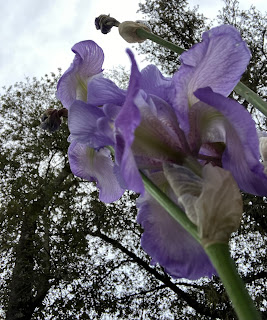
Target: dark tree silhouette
66	255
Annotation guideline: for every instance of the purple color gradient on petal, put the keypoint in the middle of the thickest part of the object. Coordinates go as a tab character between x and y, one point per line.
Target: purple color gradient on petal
169	244
218	62
82	121
87	63
154	83
102	91
98	166
127	121
241	155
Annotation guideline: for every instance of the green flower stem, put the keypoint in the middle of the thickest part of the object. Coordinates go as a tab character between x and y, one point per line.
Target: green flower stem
170	206
240	88
235	287
251	97
151	36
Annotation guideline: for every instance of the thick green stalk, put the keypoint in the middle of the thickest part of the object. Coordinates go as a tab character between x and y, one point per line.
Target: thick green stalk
151	36
235	287
170	206
240	88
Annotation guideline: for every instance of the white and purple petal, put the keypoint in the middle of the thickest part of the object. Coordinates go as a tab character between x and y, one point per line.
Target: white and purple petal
83	125
87	63
218	62
236	127
101	91
97	166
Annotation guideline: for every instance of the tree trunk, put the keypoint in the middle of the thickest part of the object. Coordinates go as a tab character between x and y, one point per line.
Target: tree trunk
27	289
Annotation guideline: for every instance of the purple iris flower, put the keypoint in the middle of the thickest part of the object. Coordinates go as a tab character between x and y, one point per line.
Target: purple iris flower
194	124
186	121
89	124
215	128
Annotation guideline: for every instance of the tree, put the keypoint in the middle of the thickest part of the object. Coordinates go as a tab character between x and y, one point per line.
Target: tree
64	254
173	21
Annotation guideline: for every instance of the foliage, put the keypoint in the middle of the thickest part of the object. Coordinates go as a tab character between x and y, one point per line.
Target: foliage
173	21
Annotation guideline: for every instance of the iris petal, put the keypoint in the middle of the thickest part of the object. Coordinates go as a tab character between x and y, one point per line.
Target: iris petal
160	85
234	123
93	165
169	244
218	62
82	121
102	91
126	122
87	63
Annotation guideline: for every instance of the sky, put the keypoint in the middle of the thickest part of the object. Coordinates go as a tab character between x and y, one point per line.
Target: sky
37	36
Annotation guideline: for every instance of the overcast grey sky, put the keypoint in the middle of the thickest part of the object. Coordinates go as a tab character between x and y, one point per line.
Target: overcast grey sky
36	36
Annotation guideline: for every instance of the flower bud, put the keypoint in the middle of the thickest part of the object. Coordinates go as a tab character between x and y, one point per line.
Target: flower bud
127	30
51	119
105	23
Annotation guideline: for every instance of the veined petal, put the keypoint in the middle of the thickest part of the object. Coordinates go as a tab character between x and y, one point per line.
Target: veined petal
157	135
111	110
169	244
126	122
154	83
87	63
82	121
93	165
102	91
219	207
237	129
218	62
213	202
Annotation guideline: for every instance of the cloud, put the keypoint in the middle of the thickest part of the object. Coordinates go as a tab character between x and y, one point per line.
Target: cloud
37	36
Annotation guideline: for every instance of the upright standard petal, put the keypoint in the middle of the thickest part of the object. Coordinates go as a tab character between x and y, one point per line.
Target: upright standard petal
98	166
218	62
126	122
103	91
87	63
160	86
169	244
236	127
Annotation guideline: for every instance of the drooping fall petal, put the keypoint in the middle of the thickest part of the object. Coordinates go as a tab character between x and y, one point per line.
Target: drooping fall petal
97	166
241	155
169	244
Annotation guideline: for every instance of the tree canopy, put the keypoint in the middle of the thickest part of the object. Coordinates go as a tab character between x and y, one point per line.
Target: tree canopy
65	254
